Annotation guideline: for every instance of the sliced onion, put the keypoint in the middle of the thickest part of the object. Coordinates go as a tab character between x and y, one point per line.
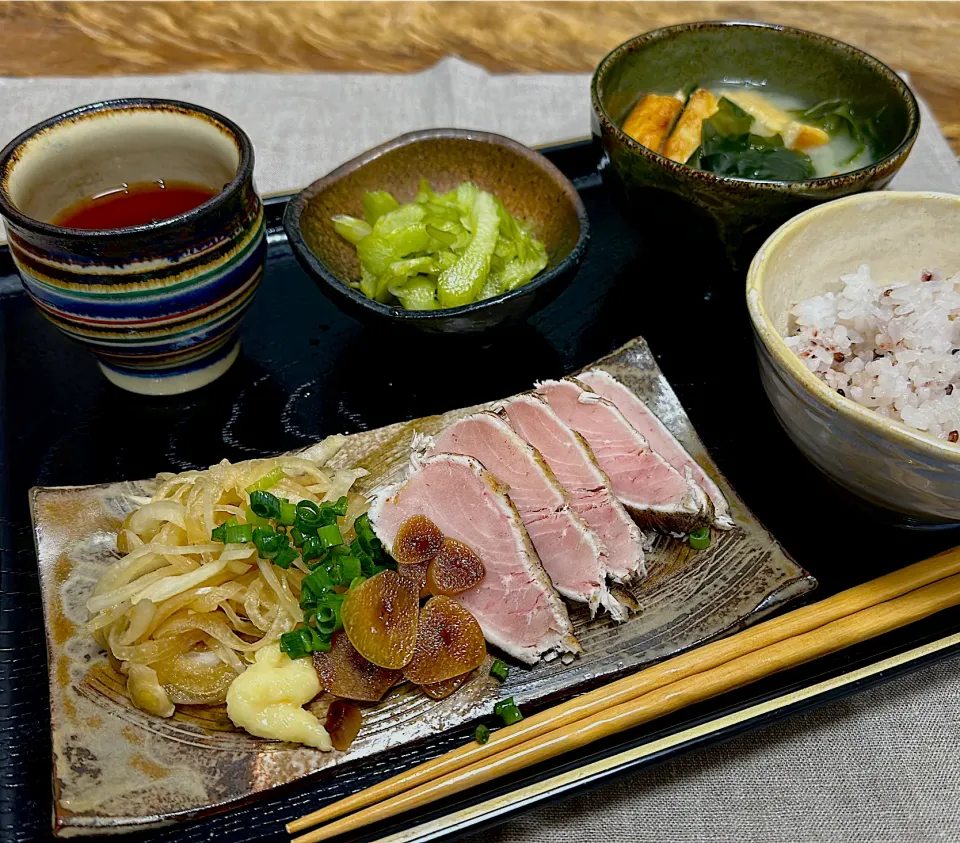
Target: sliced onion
239	624
154	650
169	587
146	693
108	616
212	623
202	599
171	534
323	452
343	479
128	592
290	606
225	654
140	618
197	677
149	517
128	541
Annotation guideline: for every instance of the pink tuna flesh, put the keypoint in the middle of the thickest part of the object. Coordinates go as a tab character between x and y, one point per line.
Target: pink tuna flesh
658	437
651	489
515	604
574	466
568	549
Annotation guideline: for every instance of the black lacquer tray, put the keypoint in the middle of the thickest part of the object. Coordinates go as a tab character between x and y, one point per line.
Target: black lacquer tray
306	370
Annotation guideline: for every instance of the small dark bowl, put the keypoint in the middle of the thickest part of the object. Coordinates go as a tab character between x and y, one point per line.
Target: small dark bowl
813	67
530	187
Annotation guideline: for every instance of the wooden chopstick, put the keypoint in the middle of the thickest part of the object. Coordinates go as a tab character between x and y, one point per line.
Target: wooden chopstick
463	767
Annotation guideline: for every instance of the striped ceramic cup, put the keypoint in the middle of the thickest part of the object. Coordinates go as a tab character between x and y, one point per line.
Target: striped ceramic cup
159	304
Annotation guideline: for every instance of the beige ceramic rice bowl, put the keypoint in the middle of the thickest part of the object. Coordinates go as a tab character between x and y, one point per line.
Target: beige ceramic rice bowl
880	459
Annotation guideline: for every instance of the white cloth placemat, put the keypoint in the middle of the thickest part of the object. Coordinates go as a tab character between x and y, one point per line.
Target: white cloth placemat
880	767
304	125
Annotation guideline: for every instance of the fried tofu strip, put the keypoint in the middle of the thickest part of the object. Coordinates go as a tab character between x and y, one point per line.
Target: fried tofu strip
651	119
770	120
685	137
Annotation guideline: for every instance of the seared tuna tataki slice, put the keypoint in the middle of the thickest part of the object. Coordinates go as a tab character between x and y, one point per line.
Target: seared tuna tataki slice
659	438
573	464
651	489
567	547
515	603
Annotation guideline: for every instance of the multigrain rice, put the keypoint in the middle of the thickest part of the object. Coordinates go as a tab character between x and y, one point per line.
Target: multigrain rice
894	348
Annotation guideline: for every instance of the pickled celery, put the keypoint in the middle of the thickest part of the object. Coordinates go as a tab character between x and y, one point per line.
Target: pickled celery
441	250
462	282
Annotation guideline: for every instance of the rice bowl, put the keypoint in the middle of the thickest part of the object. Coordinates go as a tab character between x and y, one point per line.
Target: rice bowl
884	460
889	347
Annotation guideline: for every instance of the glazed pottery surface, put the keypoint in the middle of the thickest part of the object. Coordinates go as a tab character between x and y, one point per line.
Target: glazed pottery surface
803	64
897	235
530	187
159	304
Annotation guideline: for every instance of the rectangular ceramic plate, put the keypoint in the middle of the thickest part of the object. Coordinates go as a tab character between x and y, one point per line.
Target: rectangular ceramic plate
141	771
307	371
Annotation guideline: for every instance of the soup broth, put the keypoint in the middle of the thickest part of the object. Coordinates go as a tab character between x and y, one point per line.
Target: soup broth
840	155
747	130
134	204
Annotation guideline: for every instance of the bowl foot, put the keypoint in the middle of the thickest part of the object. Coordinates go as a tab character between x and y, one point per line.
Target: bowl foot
177	381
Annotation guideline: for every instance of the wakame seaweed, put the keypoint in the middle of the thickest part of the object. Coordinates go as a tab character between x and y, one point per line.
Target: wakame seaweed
727	148
836	117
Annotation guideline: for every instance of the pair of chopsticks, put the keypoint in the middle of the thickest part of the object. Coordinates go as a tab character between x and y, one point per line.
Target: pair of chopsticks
847	618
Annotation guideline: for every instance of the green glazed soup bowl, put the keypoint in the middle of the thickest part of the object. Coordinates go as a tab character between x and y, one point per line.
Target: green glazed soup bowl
803	64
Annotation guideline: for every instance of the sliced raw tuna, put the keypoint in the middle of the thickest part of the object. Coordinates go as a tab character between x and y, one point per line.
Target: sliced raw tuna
573	464
659	437
568	548
651	489
515	604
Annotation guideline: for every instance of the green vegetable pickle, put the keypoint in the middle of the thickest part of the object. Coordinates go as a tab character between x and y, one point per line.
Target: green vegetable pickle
419	293
441	250
376	204
462	283
351	228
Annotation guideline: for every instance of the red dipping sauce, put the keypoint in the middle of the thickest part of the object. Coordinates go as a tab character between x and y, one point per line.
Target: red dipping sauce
134	204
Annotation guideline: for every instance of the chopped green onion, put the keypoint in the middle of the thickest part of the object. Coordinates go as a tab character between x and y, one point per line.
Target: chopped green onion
297	537
328	514
267	481
328	618
307	517
288	514
350	569
265	505
255	520
269	542
340	506
363	528
316	584
311	548
482	734
330	535
507	711
284	557
237	533
303	641
292	644
499	670
699	539
219	534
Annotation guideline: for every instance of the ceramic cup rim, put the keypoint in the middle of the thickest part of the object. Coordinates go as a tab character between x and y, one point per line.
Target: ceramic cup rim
9	157
679	30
